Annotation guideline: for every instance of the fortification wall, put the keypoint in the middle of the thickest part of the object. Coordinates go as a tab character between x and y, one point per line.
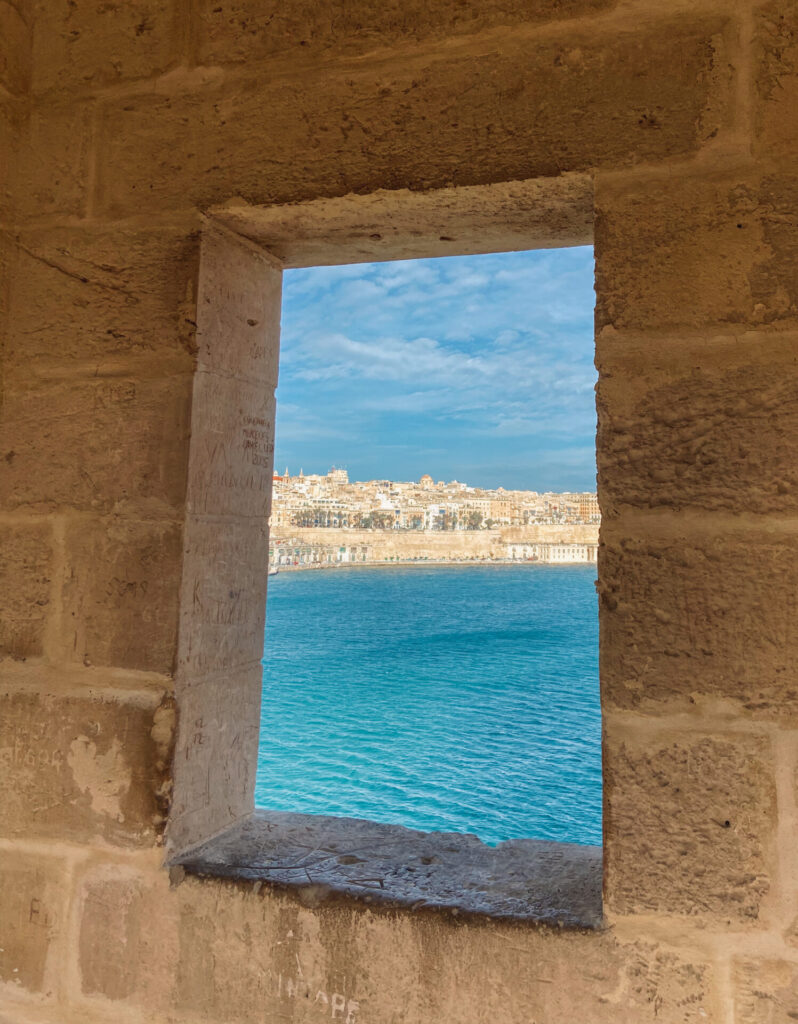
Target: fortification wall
455	544
137	413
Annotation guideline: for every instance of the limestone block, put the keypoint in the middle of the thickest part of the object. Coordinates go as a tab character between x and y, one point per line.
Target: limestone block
698	423
26	569
539	213
120	592
88	46
239	305
33	900
766	992
231	461
103	300
236	954
223	605
11	117
689	823
459	117
248	30
111	443
776	80
677	251
216	753
110	938
15	45
85	766
692	613
774	281
53	160
8	255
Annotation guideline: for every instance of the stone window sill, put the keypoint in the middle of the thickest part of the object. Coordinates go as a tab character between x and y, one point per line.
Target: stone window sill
388	865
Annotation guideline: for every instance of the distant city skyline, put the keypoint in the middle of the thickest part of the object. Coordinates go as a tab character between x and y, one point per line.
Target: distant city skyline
478	369
294	471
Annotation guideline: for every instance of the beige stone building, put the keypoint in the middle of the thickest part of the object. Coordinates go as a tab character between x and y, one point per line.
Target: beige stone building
161	162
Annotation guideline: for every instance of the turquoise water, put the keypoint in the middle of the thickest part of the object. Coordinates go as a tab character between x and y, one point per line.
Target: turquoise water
443	698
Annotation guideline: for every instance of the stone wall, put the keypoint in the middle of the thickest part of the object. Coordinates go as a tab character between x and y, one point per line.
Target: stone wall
454	544
124	499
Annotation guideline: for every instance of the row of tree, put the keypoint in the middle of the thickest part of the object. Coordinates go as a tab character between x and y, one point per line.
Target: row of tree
378	520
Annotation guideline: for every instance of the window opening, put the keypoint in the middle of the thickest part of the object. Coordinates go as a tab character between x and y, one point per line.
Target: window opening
431	646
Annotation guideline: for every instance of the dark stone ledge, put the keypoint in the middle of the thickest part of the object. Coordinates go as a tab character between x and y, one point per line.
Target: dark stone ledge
521	879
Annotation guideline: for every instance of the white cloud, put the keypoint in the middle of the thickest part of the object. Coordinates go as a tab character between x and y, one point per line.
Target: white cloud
482	351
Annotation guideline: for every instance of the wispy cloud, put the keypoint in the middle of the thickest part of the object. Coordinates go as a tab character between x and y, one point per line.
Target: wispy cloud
483	365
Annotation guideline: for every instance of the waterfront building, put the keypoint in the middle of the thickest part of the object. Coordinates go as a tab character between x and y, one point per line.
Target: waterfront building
332	501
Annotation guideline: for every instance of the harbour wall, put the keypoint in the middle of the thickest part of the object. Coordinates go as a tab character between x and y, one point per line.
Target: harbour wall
538	542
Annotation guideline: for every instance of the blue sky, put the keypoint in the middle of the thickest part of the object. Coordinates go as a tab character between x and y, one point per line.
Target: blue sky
475	368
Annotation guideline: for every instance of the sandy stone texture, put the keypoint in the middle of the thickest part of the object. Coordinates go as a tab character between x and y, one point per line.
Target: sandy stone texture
222	625
11	118
26	571
84	767
15	49
766	992
279	144
691	819
238	319
120	593
688	251
249	30
705	423
81	47
96	444
702	613
270	956
507	216
116	299
225	539
34	893
216	754
776	80
53	161
132	566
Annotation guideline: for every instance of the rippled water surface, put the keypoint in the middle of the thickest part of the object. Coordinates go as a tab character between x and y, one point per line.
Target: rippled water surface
442	698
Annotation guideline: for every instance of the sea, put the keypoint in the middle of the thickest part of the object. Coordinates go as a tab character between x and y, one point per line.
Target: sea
445	698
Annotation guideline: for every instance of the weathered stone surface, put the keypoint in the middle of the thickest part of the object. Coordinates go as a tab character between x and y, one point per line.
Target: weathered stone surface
766	992
774	281
698	613
238	953
11	117
238	317
33	902
539	213
103	444
640	96
223	594
26	568
688	251
231	461
53	161
689	823
225	547
121	591
116	299
247	30
142	116
78	47
216	753
776	79
709	423
80	767
553	883
15	55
